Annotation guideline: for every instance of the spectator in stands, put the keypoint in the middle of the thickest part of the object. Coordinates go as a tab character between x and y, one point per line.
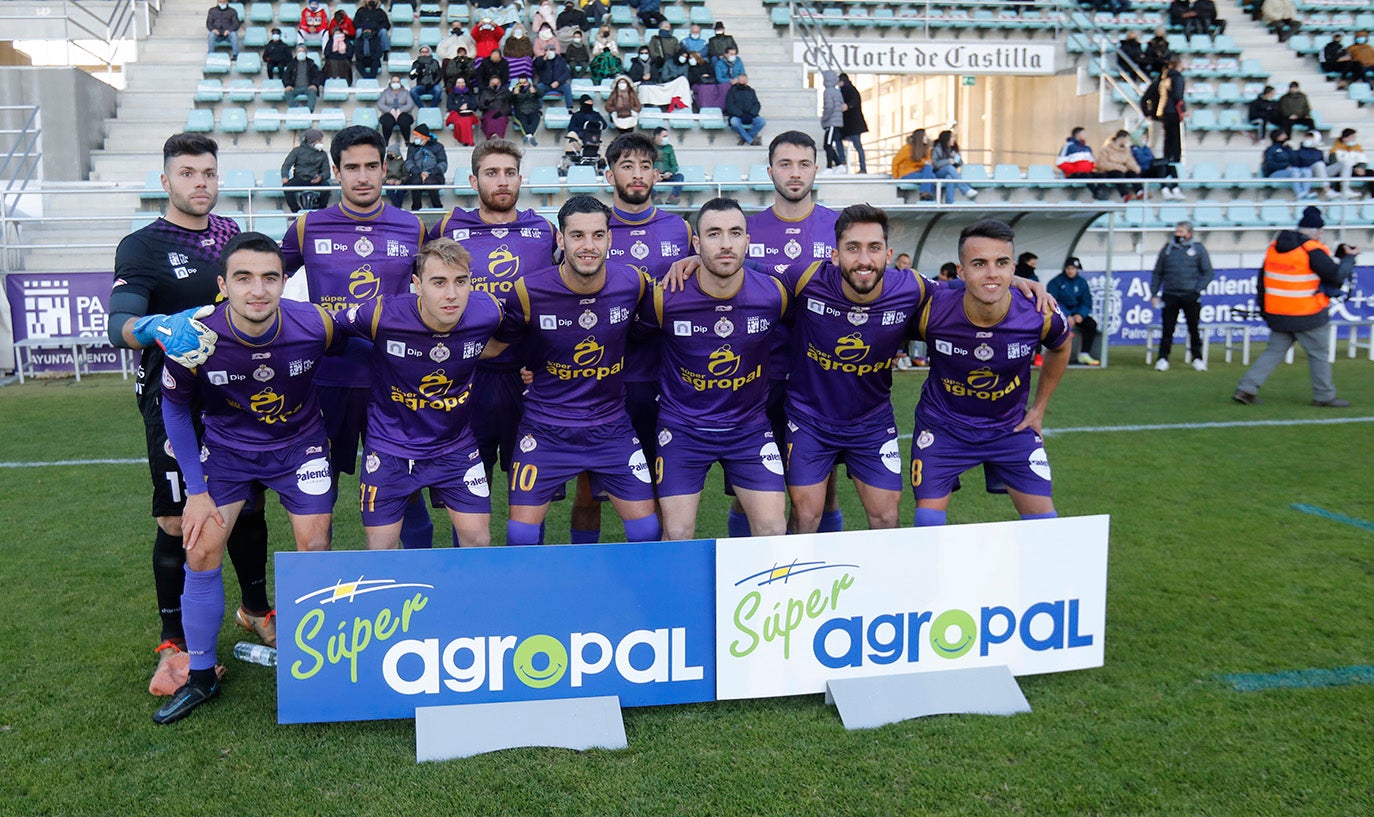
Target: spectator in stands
666	164
1134	62
395	175
694	41
571	22
729	67
604	43
1181	17
1351	161
1157	52
1294	109
527	108
947	162
518	50
720	43
578	56
447	49
493	67
1182	271
1336	60
903	262
1163	102
1310	156
1076	301
642	68
1278	164
1075	161
650	12
912	161
342	22
303	81
855	126
373	18
605	65
428	76
277	55
1208	23
623	105
462	111
1116	161
306	166
586	122
1025	266
595	10
394	107
1263	113
542	14
1109	6
699	71
1281	16
496	103
832	122
1363	53
314	23
741	110
674	68
459	67
367	53
664	47
486	35
223	24
1300	268
338	57
426	162
554	76
546	40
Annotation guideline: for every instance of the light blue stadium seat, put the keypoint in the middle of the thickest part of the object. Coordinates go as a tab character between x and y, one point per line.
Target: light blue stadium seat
779	16
1204	175
365	115
1006	173
650	119
1243	214
261	13
702	16
298	118
1302	44
266	120
1039	174
402	39
254	37
621	15
430	11
884	18
217	63
241	182
693	177
1200	44
1208	213
458	13
1231	121
1201	93
1169	214
680	120
728	178
152	186
398	62
430	37
1178	44
248	63
233	121
273	90
242	90
582	86
270	179
556	118
974	173
332	119
209	90
402	14
676	15
289	14
1252	69
628	38
1229	93
200	120
712	119
583	179
1225	44
272	224
1277	214
1360	93
434	117
759	180
1203	120
544	180
335	90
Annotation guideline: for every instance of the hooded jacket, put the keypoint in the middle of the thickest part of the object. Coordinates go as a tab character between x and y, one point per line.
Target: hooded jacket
832	101
1075	157
1332	272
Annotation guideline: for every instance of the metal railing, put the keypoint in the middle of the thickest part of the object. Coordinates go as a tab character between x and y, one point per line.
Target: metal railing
20	165
83	26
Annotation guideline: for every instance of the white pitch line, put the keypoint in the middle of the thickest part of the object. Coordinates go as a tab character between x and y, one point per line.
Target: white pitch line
56	463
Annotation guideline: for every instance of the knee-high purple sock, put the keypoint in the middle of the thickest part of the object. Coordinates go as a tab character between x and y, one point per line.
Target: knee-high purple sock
929	518
643	530
737	524
832	521
417	529
202	611
1050	515
521	533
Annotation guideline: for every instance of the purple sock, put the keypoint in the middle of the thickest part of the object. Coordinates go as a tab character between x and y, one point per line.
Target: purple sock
585	537
643	530
417	529
1050	515
832	521
521	533
929	518
202	610
737	524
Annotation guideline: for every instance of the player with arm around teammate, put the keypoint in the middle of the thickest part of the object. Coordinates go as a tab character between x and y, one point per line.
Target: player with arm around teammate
262	427
973	409
425	348
717	341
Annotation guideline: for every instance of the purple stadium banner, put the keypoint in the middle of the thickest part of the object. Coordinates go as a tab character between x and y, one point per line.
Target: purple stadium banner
62	304
1230	298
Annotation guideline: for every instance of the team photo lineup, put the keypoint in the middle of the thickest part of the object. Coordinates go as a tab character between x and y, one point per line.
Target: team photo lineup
618	349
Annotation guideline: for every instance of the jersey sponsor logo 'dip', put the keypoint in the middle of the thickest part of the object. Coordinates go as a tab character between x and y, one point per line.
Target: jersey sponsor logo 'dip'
324	246
313	477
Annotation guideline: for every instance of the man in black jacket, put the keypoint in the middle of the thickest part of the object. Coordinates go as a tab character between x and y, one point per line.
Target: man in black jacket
742	110
1182	271
277	56
303	80
223	23
1263	113
372	17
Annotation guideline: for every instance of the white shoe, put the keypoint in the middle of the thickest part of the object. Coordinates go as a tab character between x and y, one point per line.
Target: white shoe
972	194
1199	365
1330	194
1162	365
1165	192
1351	194
1178	195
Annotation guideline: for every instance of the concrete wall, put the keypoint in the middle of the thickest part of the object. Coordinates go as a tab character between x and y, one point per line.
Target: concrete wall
73	107
45	21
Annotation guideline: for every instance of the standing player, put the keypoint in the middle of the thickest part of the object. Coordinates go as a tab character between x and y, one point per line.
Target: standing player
973	405
262	428
425	348
575	319
717	343
505	243
164	268
357	250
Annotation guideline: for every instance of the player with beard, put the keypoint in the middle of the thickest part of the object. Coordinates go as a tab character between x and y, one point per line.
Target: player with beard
505	243
165	268
353	252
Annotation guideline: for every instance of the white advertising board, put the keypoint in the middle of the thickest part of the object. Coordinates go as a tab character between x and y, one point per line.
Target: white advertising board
915	57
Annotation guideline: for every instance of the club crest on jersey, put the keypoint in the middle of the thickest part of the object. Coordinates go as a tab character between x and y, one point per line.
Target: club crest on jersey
527	443
791	249
363	247
664	437
983	352
167	449
639	250
372	463
264	373
858	316
587	319
723	327
925	439
439	353
167	380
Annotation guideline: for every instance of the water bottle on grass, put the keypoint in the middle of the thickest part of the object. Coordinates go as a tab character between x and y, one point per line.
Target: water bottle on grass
256	653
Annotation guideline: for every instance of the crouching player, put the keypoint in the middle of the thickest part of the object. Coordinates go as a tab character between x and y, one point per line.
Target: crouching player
973	405
262	427
717	334
425	349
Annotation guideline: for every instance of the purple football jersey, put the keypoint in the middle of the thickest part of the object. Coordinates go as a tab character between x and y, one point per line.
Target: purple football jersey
421	403
980	377
842	351
351	258
258	393
780	246
576	344
715	351
649	242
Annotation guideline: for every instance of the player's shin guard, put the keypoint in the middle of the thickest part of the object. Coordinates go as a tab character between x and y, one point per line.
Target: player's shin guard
737	524
169	557
522	533
1050	515
247	548
417	529
929	518
832	521
584	537
643	530
202	609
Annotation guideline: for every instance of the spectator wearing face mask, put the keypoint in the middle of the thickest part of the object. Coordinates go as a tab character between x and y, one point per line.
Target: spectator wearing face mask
546	40
1182	271
277	55
1278	163
493	67
720	43
496	103
527	109
427	162
605	65
571	20
694	42
395	175
487	37
462	111
1363	53
306	166
460	67
373	19
664	47
428	76
674	68
394	107
553	76
303	81
642	68
604	43
314	23
1352	162
729	67
449	46
578	55
1310	156
223	24
518	50
338	57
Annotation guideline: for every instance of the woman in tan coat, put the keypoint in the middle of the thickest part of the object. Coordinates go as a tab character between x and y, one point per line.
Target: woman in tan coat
623	105
1115	161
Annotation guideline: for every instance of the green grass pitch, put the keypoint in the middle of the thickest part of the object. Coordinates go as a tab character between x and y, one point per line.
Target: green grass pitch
1211	573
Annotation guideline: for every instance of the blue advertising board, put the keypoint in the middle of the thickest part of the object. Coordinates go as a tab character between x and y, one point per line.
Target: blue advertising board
369	635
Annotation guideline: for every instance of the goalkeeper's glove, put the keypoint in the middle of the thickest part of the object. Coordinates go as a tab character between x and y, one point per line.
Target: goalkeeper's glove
182	336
